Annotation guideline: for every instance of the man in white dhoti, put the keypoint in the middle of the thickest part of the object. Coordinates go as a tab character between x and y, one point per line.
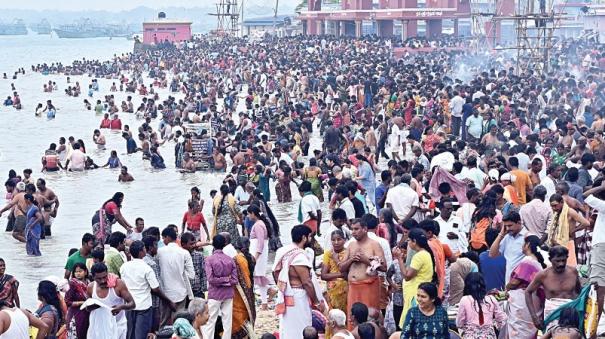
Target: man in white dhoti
297	293
560	282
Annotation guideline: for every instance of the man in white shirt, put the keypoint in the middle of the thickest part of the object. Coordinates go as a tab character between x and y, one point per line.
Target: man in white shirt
76	160
450	228
176	268
523	158
456	107
477	95
445	159
551	179
473	173
339	222
141	282
309	210
342	197
278	157
467	209
402	199
474	125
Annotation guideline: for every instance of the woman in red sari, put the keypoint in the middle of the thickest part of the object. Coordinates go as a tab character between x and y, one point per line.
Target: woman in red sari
77	319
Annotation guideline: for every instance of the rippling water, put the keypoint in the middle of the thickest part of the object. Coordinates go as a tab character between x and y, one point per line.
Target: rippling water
158	196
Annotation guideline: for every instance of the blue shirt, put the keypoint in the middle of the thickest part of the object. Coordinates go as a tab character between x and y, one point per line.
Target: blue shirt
511	247
131	145
496	268
381	190
368	181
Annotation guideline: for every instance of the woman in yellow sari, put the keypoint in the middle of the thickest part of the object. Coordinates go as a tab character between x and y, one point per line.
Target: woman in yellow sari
226	215
337	283
244	310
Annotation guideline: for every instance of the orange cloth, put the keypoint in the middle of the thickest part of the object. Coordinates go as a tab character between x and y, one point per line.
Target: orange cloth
522	183
572	259
384	294
312	224
241	312
478	234
439	255
365	291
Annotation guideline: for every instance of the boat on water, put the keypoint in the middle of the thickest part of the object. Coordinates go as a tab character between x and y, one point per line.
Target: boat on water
118	31
17	27
43	27
88	29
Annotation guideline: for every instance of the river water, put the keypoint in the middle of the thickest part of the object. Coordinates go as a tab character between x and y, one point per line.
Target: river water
158	196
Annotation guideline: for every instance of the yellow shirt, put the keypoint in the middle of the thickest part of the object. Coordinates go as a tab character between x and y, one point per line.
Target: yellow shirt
421	263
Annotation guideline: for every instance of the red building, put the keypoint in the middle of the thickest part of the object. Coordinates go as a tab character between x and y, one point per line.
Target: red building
349	18
163	29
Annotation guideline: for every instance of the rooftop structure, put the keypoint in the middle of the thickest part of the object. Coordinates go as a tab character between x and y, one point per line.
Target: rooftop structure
163	29
349	18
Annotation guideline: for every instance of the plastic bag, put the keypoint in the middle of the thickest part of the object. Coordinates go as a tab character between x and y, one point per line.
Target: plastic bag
389	319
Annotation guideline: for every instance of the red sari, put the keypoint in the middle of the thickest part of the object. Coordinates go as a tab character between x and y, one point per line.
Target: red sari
77	319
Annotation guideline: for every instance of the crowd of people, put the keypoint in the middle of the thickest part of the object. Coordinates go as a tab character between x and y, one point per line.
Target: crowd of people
467	207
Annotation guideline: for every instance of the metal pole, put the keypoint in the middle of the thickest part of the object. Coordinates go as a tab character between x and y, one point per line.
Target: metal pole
275	16
242	9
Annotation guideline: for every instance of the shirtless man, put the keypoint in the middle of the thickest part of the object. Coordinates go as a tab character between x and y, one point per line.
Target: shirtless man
296	285
575	221
220	164
124	175
189	165
99	139
562	188
534	171
48	213
491	138
47	193
560	282
19	206
360	255
579	149
238	158
145	146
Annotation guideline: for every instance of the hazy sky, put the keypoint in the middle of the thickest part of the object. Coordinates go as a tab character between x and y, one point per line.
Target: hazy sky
117	5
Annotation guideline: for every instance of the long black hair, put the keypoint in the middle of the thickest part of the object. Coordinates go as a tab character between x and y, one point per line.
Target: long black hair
533	242
418	235
474	285
117	199
255	209
431	290
224	192
243	245
487	207
47	291
387	216
274	225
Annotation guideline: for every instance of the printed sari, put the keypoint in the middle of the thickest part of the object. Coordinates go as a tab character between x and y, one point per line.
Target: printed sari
77	319
244	310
